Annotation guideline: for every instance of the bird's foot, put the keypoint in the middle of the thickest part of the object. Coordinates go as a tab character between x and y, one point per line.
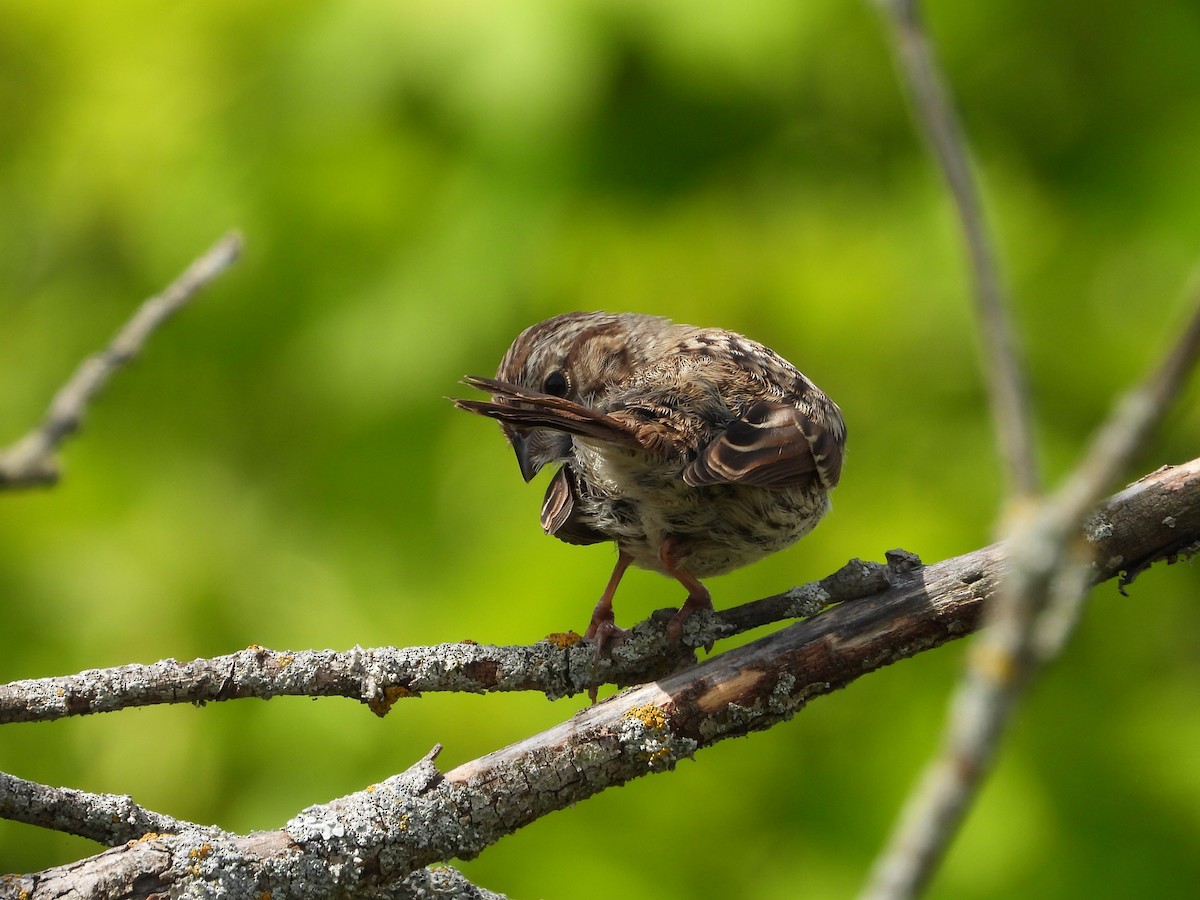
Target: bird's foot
604	633
693	604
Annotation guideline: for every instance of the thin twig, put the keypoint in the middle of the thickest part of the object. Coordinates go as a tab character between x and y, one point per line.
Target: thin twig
1110	452
1049	572
31	460
1125	432
941	129
937	806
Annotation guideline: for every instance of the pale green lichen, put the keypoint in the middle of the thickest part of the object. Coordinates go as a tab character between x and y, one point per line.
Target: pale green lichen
805	601
1097	528
646	734
780	701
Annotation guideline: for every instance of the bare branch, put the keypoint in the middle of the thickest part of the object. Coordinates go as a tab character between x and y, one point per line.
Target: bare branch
940	127
31	460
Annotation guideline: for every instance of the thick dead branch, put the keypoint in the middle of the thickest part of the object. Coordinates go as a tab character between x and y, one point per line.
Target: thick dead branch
31	461
367	842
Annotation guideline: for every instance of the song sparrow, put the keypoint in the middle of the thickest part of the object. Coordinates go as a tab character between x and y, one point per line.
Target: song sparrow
696	450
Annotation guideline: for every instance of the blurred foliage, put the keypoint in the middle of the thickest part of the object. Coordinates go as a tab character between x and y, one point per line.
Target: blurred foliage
417	182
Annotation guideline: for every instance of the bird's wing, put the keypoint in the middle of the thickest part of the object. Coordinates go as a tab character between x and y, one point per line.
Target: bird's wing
559	511
774	443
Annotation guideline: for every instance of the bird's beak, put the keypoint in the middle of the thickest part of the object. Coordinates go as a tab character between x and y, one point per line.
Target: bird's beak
534	447
523	446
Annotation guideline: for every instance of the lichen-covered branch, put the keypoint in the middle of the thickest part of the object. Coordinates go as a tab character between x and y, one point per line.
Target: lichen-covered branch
560	665
365	842
115	820
108	819
31	460
557	666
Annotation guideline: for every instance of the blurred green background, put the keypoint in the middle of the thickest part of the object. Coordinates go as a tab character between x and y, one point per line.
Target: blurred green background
417	182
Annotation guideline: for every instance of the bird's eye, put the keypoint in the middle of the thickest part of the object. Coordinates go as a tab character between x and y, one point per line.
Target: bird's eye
556	383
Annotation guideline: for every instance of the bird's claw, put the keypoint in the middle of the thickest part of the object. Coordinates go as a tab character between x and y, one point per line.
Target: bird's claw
605	635
693	604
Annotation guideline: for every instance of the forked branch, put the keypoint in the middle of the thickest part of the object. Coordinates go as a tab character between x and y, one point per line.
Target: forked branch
1049	572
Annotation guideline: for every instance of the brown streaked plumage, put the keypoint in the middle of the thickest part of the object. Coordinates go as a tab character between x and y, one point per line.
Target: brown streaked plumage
696	450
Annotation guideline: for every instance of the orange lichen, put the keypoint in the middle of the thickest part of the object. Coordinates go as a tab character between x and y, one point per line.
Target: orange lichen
649	715
197	853
650	736
382	704
563	639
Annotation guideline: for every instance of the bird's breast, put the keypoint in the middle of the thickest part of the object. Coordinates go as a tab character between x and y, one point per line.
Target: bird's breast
639	500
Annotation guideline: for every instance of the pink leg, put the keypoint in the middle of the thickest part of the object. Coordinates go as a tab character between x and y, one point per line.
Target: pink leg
699	598
602	628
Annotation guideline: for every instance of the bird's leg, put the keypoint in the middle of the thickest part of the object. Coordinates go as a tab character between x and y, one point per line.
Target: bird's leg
602	629
698	598
670	553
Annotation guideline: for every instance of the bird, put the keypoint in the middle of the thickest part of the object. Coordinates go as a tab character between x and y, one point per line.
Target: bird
695	450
